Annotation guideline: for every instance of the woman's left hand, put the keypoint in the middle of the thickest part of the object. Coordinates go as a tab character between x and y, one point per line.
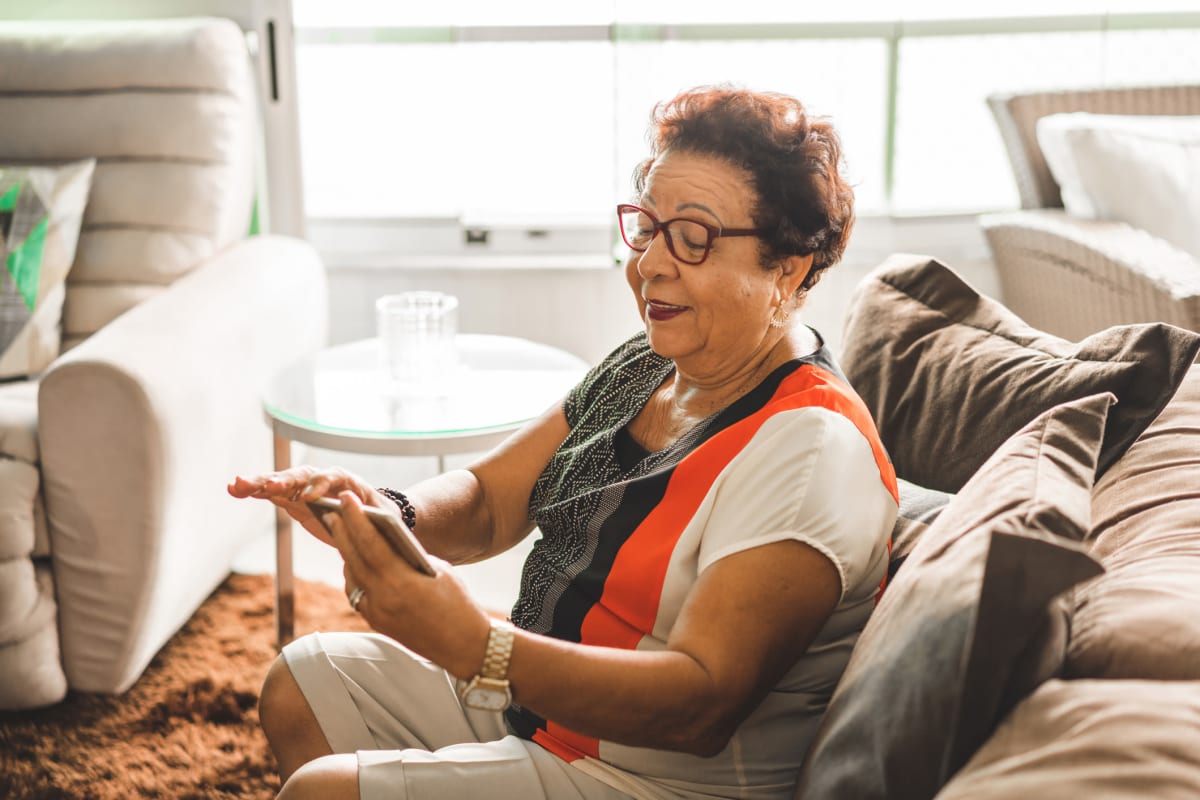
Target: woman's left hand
435	617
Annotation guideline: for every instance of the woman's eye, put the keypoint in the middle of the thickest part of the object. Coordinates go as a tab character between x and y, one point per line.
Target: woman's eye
693	237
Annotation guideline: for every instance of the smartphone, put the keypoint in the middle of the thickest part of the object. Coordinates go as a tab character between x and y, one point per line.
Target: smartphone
390	525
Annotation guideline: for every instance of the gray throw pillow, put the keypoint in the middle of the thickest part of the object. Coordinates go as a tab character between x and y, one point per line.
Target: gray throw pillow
949	374
972	623
919	507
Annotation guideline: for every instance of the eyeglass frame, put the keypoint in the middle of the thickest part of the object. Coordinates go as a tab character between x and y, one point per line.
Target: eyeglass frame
714	232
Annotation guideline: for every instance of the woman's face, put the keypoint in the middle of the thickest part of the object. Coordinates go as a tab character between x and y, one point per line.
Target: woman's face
710	318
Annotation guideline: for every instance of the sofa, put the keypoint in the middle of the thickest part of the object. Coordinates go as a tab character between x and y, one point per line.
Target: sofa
1040	633
144	304
1109	182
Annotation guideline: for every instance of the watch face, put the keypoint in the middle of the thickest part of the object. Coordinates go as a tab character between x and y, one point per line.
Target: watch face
486	699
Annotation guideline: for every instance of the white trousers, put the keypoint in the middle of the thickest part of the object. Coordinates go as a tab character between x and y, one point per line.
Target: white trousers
402	716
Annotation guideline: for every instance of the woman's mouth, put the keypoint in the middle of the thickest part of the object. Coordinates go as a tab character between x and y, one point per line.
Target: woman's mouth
661	312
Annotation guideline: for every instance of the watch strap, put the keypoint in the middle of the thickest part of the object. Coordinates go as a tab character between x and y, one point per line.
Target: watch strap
499	651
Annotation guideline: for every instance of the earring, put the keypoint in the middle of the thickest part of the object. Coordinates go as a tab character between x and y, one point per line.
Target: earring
780	316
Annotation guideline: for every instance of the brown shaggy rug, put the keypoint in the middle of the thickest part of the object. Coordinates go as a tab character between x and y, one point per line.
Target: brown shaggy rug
188	728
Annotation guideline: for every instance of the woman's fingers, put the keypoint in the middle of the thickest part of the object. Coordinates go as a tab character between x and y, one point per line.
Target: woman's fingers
242	487
361	545
298	484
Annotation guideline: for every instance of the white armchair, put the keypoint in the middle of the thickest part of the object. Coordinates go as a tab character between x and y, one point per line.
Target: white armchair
1072	276
115	459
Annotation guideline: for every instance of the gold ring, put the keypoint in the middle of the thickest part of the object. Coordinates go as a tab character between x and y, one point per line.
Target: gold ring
356	596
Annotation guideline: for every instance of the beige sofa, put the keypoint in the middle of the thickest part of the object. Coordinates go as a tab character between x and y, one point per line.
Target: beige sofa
1041	639
1070	275
114	522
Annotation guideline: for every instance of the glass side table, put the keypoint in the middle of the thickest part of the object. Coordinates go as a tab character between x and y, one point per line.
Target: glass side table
341	398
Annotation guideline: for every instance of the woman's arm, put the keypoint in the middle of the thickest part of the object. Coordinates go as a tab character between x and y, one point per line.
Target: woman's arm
748	618
463	515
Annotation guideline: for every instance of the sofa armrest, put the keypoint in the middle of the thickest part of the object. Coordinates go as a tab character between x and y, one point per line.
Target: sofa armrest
1072	277
141	427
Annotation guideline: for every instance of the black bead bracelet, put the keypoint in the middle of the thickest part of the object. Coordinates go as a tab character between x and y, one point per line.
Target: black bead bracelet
407	512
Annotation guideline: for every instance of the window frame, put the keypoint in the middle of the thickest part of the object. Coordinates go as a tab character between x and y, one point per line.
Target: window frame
426	240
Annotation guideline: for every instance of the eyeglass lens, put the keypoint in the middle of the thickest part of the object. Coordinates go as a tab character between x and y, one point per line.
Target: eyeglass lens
688	241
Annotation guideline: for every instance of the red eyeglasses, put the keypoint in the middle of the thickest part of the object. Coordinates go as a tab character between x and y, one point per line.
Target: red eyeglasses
687	239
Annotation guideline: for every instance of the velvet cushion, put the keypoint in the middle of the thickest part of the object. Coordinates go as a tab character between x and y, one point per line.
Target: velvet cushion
1119	740
1142	618
969	626
41	211
950	374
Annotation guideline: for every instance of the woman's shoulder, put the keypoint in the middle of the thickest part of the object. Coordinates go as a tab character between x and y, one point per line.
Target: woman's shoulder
625	364
633	350
629	372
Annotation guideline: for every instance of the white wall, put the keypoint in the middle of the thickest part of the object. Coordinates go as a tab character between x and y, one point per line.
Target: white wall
585	311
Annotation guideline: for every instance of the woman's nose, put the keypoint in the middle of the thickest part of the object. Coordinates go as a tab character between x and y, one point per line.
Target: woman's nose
656	259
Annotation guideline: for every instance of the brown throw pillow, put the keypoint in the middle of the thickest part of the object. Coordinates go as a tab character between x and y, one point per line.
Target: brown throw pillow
969	627
1142	618
950	374
1090	739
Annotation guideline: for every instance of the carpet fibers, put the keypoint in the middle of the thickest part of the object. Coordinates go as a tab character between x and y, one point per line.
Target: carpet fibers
188	728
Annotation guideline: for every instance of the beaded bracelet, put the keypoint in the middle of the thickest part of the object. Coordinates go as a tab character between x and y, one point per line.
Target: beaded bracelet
407	512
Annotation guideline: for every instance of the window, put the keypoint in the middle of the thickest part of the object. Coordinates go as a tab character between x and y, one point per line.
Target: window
518	125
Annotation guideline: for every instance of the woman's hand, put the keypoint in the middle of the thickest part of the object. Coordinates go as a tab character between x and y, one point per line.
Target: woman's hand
291	489
435	617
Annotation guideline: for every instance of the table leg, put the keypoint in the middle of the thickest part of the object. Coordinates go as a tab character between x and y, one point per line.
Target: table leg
285	585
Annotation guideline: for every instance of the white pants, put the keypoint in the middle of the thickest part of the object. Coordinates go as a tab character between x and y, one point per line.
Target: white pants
414	739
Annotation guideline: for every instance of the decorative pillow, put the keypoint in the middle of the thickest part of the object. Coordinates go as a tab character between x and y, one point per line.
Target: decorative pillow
1079	739
968	628
1141	170
949	374
41	209
1140	619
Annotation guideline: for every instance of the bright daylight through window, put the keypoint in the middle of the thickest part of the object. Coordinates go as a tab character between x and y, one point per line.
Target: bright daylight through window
473	120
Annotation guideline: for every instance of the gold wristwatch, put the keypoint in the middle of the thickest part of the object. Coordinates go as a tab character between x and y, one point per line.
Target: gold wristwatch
489	690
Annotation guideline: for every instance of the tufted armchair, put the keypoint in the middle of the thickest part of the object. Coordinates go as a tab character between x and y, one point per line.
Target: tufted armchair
114	521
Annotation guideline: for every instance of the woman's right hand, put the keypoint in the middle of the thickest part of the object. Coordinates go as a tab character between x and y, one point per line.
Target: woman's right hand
291	489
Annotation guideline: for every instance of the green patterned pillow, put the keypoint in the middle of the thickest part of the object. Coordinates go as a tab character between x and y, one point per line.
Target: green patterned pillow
41	209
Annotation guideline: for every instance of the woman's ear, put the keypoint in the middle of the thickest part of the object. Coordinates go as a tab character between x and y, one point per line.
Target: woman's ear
793	271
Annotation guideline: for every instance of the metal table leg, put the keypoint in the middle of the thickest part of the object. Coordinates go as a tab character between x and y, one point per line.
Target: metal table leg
285	585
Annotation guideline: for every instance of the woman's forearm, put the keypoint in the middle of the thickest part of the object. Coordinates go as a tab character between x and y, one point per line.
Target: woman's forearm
666	699
453	518
468	515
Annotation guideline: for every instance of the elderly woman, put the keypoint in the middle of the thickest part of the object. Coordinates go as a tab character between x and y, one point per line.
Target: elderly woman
714	505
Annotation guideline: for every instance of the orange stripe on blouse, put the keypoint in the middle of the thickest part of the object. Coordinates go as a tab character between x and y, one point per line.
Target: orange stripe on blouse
632	591
566	743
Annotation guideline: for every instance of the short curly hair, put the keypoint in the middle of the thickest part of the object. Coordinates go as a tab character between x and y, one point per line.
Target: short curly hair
793	160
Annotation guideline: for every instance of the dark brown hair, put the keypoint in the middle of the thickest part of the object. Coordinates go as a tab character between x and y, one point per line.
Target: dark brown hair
793	161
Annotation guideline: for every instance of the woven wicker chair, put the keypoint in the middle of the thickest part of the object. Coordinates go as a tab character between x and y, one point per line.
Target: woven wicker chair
1072	276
